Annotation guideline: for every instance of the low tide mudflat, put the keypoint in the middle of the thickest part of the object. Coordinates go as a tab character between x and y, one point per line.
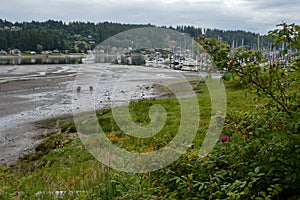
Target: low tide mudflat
30	93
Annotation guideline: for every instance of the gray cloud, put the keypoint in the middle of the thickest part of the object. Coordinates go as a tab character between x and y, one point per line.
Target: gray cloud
252	15
267	4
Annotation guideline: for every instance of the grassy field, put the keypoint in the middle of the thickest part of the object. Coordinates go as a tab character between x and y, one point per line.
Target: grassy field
62	163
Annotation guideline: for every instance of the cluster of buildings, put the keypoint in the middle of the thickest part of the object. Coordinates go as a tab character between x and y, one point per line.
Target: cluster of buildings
13	28
14	52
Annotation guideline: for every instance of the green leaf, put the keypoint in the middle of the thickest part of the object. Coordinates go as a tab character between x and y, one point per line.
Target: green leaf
256	170
273	158
251	174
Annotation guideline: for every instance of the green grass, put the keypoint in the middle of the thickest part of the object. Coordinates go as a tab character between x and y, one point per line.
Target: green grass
62	163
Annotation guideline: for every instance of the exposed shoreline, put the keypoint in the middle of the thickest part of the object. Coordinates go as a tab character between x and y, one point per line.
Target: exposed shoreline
33	93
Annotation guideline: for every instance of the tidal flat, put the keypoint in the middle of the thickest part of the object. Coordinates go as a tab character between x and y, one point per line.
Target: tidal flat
31	93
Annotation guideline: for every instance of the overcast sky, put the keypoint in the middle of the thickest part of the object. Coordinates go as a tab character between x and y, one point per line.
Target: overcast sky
250	15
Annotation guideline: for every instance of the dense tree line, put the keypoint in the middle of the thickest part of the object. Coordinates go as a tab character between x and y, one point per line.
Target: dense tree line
59	35
232	37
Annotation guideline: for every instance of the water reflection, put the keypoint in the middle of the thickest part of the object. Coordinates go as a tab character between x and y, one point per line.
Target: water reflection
40	60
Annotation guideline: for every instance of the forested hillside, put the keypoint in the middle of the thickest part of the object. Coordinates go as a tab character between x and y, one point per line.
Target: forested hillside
234	38
82	36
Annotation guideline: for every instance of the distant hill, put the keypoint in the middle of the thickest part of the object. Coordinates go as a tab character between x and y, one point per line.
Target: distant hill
82	36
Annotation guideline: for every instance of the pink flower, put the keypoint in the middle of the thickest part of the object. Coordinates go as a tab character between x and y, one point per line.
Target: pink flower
225	138
188	188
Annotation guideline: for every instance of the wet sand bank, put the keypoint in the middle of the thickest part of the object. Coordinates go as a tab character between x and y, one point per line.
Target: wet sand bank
37	92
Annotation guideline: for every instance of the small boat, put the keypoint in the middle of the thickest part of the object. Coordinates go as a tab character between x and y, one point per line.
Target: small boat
190	62
90	58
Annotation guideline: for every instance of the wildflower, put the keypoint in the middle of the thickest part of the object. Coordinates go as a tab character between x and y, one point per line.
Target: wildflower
225	138
188	188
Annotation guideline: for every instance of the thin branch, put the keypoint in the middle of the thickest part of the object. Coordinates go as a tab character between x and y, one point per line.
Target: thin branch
281	104
273	97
